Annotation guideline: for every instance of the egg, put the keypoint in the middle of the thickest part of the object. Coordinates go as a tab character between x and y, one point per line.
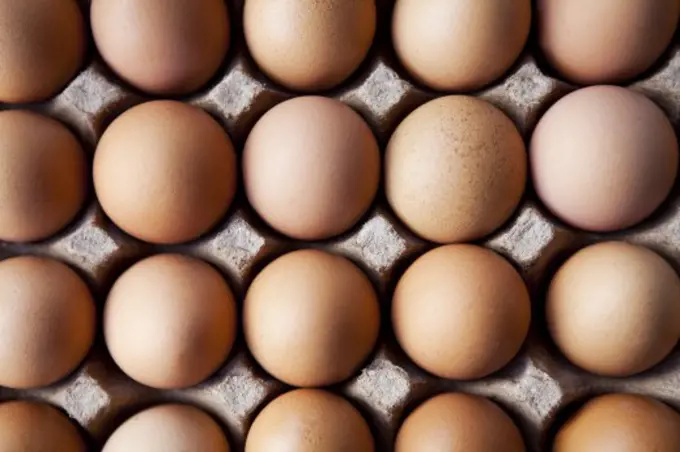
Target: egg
603	158
42	45
459	45
43	176
455	169
165	47
606	41
614	308
311	167
461	312
309	46
456	422
309	420
168	428
165	172
36	427
621	422
47	321
311	318
170	321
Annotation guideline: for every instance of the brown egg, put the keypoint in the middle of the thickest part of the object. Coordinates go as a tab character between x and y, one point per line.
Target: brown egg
42	45
311	318
47	321
170	321
309	420
455	169
309	46
165	172
614	308
37	427
461	312
311	167
43	176
604	41
168	428
162	46
603	158
621	422
456	422
459	45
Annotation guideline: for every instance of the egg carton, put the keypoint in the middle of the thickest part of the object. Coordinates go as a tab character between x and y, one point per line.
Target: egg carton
538	388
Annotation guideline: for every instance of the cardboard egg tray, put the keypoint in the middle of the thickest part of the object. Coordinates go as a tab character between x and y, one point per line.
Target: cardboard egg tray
538	388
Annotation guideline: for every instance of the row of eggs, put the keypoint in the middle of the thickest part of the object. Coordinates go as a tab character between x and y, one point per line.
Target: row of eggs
460	312
170	47
602	158
307	420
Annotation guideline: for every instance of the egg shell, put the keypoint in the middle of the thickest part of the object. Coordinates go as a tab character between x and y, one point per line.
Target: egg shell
459	45
311	167
168	428
309	420
317	307
43	176
165	172
621	422
163	47
42	45
47	321
455	422
604	41
603	158
170	321
455	169
614	308
309	46
461	312
35	427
